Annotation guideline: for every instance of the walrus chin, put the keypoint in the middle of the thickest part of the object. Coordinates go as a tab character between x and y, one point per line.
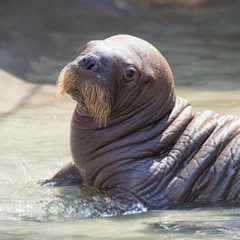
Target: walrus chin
87	91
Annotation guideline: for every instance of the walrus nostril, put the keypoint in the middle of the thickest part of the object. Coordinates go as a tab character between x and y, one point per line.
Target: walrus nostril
87	63
90	66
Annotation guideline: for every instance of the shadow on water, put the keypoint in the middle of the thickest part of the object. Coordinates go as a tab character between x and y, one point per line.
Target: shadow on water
200	41
20	104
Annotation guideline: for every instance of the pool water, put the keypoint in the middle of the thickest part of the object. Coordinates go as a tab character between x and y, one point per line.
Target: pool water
203	49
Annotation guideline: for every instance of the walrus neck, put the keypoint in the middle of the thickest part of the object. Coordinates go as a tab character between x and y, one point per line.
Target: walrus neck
89	143
96	151
129	120
144	113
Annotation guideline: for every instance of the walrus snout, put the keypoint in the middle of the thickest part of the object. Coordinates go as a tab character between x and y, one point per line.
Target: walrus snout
87	63
92	97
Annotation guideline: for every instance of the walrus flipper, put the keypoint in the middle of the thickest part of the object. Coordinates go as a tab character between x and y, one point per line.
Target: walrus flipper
68	175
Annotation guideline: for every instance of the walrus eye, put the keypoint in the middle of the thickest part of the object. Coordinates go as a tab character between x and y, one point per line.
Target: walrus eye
129	73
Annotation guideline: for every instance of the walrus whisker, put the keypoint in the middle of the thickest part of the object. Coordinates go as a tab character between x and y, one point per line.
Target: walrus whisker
96	97
97	100
66	79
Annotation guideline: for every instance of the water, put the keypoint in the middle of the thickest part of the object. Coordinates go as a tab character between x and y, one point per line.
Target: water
191	224
202	45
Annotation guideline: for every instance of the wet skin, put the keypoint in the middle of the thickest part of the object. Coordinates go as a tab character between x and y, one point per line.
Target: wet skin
153	148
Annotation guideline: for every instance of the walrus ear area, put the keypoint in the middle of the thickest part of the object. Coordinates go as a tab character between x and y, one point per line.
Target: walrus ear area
146	78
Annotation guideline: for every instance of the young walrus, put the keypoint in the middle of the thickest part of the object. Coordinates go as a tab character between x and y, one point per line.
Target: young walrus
134	140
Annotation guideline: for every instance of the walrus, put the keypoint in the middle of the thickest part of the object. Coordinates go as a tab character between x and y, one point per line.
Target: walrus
134	140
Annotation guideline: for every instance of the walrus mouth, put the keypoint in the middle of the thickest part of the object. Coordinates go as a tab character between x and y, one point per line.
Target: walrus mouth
90	95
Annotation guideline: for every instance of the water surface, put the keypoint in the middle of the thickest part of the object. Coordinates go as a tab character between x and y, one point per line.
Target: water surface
202	45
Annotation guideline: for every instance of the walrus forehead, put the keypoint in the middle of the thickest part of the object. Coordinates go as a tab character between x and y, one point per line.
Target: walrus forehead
133	45
113	55
137	52
126	50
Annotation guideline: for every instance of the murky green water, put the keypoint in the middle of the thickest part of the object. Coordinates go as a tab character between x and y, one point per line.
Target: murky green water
202	44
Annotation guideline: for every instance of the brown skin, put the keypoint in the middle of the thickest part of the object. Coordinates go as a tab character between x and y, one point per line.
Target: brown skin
134	140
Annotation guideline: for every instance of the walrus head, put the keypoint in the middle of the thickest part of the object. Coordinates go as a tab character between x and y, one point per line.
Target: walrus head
116	76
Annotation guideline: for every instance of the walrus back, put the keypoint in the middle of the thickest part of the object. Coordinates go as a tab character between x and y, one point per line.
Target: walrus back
208	175
202	166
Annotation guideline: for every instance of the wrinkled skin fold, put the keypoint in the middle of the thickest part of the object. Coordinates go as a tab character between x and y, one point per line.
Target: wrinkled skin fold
134	140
